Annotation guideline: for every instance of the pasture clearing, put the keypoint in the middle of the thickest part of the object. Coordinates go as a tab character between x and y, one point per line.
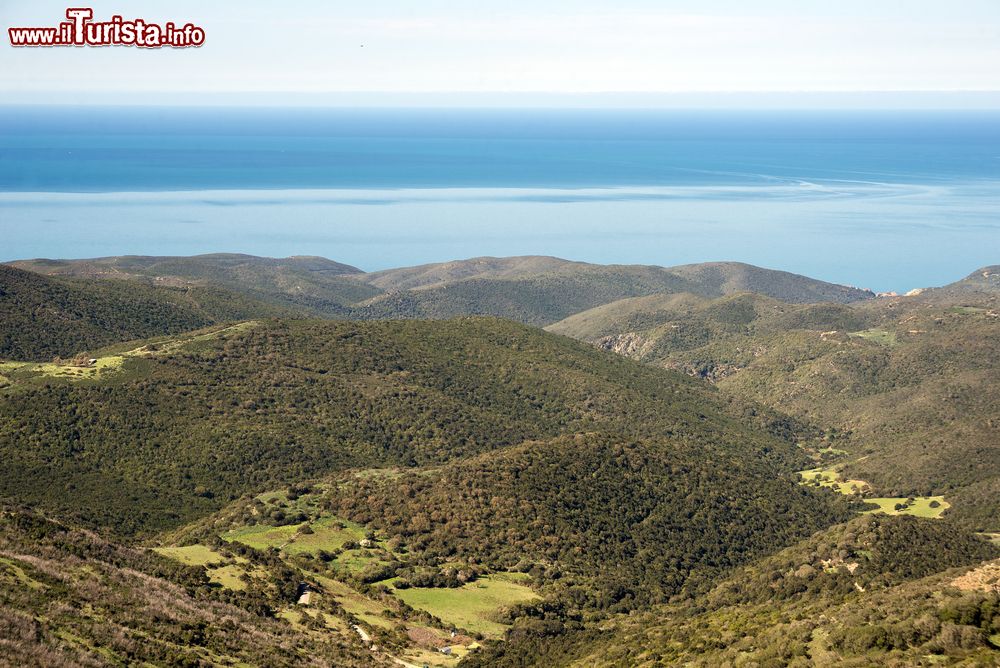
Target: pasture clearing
880	336
192	555
472	606
921	506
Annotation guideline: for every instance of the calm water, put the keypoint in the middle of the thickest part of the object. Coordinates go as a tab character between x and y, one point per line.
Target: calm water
888	200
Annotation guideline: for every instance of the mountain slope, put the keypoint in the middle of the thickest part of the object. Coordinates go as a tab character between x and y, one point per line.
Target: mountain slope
985	280
533	290
41	317
541	291
309	284
176	429
605	522
877	591
910	384
71	598
438	274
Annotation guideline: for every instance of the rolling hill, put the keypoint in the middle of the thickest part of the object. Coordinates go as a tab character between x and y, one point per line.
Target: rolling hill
985	280
166	432
243	485
877	591
69	597
311	285
42	317
909	385
533	290
540	291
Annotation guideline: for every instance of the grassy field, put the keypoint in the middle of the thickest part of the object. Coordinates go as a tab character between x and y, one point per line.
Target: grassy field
193	555
25	370
228	576
430	658
14	574
879	336
360	606
261	536
110	361
471	606
329	533
920	507
831	478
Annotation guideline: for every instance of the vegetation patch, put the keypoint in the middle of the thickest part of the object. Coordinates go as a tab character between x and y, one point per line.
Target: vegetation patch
473	606
875	335
193	555
11	573
261	537
327	533
71	370
918	506
229	577
831	478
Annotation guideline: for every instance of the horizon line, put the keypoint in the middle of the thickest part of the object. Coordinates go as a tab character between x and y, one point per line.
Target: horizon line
927	100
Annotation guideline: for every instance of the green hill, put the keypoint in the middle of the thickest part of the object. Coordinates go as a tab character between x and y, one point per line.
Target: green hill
174	430
41	317
540	291
878	591
442	273
602	522
311	285
71	598
533	290
908	384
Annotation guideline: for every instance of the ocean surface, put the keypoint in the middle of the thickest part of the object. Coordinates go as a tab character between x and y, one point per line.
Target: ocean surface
887	200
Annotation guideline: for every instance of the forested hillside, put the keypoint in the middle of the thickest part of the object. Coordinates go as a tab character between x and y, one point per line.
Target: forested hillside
177	428
909	384
41	318
875	591
71	598
311	285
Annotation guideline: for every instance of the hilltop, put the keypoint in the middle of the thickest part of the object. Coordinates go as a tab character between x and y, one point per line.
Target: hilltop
985	280
877	591
163	433
43	317
905	387
311	285
540	291
533	290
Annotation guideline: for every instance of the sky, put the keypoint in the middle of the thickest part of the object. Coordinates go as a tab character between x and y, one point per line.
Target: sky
414	48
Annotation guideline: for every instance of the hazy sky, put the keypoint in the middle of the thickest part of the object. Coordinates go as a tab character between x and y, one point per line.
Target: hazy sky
555	46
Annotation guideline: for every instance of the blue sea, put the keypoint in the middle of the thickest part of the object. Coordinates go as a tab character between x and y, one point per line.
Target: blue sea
889	200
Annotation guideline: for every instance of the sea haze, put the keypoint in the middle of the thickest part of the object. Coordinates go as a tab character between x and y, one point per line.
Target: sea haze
888	200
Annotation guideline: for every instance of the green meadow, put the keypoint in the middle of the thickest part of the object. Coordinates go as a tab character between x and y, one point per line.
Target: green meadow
472	606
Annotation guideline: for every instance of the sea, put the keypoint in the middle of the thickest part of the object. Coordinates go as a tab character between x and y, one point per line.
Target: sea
888	200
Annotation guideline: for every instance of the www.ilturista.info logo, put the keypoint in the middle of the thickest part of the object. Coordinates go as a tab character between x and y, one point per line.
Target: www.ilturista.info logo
81	30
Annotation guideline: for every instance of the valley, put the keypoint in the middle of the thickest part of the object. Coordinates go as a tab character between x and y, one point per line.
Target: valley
694	465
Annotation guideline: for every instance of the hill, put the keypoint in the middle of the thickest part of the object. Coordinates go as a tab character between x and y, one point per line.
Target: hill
907	386
540	291
441	273
167	432
602	522
878	591
533	290
985	280
71	598
41	317
312	285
